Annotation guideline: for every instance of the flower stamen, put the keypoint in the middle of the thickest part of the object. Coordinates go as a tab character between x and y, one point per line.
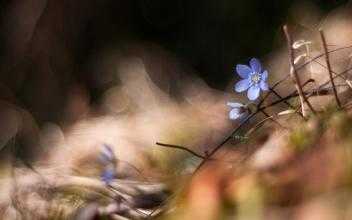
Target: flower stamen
255	78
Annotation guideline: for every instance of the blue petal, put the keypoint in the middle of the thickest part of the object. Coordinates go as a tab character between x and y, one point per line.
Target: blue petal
264	75
234	114
243	71
107	176
235	104
107	153
242	85
253	92
255	65
264	85
104	159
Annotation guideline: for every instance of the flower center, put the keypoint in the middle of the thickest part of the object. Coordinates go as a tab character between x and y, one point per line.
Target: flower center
255	78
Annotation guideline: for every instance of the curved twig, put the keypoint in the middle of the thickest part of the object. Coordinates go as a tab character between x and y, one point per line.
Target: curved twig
181	148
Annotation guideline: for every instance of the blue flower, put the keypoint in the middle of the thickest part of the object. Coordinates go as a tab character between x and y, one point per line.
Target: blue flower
107	155
108	175
253	79
238	110
108	160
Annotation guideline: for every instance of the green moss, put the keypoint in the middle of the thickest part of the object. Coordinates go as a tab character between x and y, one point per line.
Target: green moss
300	139
342	124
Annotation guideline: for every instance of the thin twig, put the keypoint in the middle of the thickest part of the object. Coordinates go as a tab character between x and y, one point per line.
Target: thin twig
272	119
322	36
321	55
294	94
128	203
336	75
191	152
209	155
286	102
133	167
280	97
259	124
294	75
181	148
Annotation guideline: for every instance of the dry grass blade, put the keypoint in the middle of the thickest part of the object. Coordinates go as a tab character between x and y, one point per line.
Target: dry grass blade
322	36
294	74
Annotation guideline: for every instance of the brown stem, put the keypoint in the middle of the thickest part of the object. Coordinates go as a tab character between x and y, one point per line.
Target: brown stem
286	102
181	148
294	75
218	147
323	40
272	119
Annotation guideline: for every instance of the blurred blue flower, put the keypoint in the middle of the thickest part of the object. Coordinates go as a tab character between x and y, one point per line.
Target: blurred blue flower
238	110
108	159
108	175
107	155
253	79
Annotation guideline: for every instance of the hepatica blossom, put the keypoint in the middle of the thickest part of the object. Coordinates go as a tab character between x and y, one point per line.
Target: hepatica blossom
238	110
253	77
